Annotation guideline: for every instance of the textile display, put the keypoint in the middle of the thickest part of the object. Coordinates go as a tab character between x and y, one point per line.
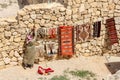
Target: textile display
51	48
66	40
112	34
96	29
41	33
40	50
83	32
52	33
47	33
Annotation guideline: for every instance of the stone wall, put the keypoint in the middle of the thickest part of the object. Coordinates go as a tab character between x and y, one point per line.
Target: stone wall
11	42
90	11
13	31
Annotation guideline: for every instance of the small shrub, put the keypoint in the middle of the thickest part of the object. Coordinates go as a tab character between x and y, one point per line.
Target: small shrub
61	77
42	78
82	73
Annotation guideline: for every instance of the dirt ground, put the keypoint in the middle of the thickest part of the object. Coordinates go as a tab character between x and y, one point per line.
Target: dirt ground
95	64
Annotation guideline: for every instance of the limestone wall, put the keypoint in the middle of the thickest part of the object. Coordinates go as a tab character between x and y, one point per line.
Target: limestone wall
90	11
11	42
13	31
76	13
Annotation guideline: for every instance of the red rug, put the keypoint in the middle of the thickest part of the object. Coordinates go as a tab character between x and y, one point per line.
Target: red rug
112	34
66	40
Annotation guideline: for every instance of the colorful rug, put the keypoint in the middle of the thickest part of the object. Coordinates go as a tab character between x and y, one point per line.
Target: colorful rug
96	29
66	40
112	34
47	33
83	32
52	33
51	48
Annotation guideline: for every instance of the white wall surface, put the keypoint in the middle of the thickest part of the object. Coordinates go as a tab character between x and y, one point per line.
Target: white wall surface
8	8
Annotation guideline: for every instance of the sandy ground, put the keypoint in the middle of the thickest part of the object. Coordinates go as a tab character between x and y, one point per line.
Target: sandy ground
96	64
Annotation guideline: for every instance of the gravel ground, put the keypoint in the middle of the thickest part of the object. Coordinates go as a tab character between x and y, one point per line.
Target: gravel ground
95	64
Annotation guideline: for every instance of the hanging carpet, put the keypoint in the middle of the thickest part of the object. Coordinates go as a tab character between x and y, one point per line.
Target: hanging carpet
96	29
66	40
51	48
83	32
47	33
112	34
41	33
52	33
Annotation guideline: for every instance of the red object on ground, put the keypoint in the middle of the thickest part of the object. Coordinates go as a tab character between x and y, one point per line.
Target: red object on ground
40	70
66	40
43	71
48	70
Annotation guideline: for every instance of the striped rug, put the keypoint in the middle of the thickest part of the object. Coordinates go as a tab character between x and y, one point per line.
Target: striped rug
96	29
112	34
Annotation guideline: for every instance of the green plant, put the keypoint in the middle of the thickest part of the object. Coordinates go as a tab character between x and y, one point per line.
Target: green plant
61	77
82	73
42	78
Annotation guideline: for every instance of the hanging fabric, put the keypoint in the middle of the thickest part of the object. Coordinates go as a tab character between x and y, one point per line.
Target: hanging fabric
41	33
66	40
52	33
112	34
40	50
96	29
51	48
83	32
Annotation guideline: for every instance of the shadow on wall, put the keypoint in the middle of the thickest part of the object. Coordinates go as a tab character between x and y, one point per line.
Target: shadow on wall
22	3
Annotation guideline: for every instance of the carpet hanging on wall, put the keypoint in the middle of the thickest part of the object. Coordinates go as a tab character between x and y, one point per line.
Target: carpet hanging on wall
96	29
52	33
112	34
66	40
83	32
